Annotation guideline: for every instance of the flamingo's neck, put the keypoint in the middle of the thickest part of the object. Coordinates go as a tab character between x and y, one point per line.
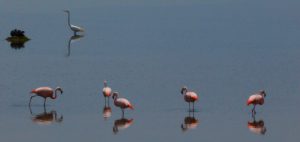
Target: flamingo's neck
55	94
115	98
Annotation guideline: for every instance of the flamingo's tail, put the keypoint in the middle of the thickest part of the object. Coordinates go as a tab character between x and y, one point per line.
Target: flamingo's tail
131	106
33	91
249	102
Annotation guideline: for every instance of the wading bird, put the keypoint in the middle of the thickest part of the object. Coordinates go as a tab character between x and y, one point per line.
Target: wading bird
74	28
256	99
45	92
121	102
106	91
189	96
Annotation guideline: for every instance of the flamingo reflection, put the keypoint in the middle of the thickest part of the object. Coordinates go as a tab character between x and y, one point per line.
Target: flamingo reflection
45	118
106	113
121	124
190	122
73	39
257	127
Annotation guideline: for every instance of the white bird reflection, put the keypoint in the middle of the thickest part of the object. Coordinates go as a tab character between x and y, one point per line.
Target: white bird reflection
73	39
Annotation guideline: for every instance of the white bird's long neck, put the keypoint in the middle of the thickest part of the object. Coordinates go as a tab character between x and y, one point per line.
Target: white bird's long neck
69	19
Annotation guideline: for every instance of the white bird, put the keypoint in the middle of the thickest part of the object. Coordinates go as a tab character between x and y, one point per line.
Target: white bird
74	28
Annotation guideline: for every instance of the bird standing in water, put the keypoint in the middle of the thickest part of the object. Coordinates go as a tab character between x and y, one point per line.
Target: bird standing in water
45	92
106	91
74	28
121	102
189	96
256	99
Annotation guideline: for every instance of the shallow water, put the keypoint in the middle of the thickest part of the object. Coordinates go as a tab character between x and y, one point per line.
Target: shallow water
224	50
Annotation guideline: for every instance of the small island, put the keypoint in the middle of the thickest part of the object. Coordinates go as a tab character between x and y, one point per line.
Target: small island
17	36
17	39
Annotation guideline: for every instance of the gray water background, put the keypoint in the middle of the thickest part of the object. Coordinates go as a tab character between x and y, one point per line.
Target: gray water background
224	50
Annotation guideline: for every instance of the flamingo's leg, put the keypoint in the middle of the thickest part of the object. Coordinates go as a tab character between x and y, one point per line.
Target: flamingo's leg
44	102
193	106
253	110
31	99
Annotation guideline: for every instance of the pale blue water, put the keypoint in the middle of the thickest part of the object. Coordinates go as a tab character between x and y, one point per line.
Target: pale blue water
224	50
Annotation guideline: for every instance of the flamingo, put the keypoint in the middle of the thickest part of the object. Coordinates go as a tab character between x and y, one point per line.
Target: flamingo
106	91
189	96
74	28
121	102
45	92
256	99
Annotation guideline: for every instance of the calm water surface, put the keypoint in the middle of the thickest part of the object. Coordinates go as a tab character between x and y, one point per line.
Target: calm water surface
224	50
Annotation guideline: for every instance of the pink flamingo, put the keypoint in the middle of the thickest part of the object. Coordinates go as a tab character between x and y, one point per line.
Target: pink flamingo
189	96
45	92
256	99
121	102
106	91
